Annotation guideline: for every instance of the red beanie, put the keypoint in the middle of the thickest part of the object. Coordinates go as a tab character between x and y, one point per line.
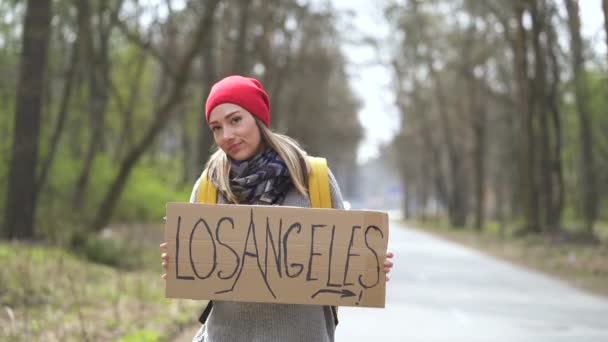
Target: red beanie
243	91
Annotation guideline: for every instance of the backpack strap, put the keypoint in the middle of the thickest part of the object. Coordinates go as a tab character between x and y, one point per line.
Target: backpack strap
318	191
320	196
203	317
206	192
318	183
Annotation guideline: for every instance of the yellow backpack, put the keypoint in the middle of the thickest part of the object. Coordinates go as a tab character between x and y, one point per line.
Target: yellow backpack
318	191
318	186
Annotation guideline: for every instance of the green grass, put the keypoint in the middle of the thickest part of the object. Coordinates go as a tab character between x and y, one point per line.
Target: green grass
48	293
141	336
580	262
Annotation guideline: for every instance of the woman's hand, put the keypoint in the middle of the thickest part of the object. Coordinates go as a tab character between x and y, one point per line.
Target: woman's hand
165	258
388	264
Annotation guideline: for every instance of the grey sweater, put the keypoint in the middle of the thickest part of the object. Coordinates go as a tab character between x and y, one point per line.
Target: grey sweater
240	321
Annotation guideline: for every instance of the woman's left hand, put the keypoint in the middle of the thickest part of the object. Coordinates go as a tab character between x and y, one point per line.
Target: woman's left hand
388	264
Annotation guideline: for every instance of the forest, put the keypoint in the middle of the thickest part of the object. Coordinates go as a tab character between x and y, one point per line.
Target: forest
503	114
501	108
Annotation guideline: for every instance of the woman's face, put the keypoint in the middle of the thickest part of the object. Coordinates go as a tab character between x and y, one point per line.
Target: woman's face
235	131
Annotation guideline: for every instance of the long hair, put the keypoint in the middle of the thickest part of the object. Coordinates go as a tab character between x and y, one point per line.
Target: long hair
218	166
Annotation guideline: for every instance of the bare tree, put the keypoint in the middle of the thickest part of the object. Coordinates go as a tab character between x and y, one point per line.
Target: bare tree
240	58
127	106
473	60
587	164
554	215
456	187
209	77
527	174
539	89
22	193
488	81
68	87
98	68
162	116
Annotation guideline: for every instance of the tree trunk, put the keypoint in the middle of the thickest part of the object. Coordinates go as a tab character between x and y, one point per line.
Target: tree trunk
477	117
162	116
98	67
588	183
479	133
209	77
70	75
442	194
21	196
432	159
554	218
240	57
540	108
125	139
457	207
528	183
276	69
456	193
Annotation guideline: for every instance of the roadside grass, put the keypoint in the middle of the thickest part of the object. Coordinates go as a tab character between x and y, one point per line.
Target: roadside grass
50	294
570	256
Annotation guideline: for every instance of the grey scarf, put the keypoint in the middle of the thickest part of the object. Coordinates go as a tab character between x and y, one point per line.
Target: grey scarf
263	179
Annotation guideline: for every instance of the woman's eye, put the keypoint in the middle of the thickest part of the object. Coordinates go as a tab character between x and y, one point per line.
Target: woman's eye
215	128
236	119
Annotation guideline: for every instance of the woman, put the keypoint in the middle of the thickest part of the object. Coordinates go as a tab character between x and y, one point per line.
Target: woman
254	165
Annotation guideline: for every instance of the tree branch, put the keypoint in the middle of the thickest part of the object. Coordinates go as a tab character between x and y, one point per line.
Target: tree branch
162	116
145	45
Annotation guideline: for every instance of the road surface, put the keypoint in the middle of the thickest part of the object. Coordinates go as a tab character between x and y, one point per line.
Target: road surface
440	291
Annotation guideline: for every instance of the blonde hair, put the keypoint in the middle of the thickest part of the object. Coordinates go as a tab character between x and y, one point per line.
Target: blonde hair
218	166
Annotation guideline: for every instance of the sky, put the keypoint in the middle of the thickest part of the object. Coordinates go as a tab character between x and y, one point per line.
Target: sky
369	77
371	80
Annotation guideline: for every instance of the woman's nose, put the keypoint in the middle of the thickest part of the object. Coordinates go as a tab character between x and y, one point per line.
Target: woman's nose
227	133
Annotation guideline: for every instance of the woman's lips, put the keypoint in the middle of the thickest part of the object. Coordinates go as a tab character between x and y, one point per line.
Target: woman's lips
234	148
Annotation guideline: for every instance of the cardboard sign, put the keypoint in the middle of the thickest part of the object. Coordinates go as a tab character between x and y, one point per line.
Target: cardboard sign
275	254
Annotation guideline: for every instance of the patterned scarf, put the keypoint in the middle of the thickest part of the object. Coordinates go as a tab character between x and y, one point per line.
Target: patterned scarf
263	179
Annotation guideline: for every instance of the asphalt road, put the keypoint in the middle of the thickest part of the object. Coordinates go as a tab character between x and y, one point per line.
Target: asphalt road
440	291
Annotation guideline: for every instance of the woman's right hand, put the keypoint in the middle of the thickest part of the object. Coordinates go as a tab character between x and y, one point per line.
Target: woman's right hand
165	258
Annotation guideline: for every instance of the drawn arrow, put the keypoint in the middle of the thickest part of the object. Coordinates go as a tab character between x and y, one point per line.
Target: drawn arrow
344	293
